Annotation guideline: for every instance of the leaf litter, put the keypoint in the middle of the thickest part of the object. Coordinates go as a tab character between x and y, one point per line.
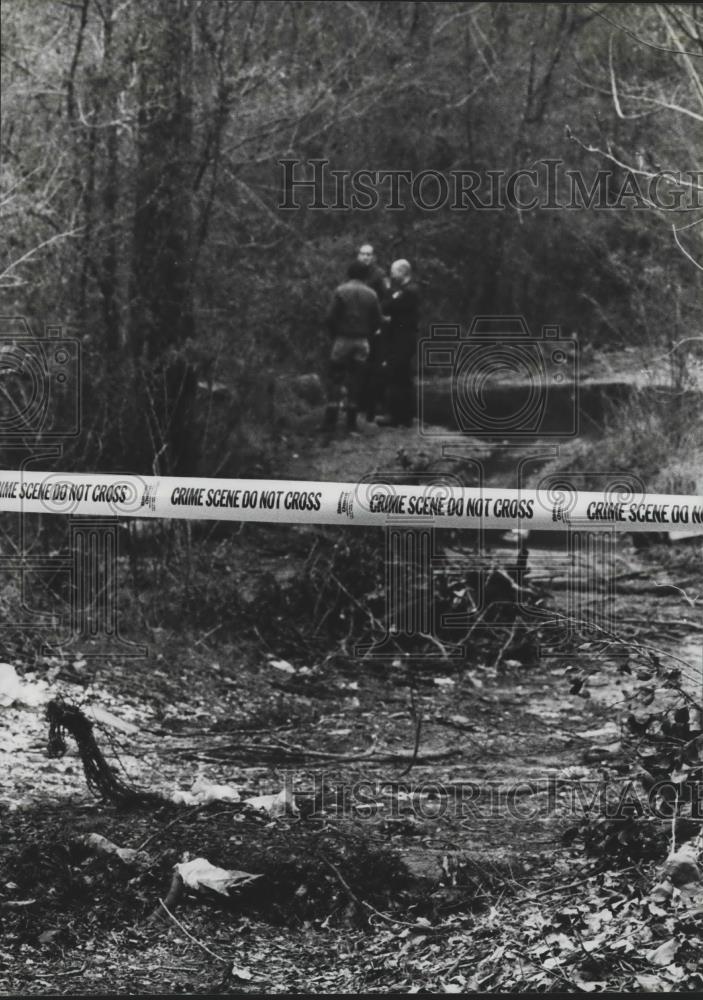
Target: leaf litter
78	884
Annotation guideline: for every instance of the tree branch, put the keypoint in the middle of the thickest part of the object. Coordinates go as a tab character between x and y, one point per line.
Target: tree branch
682	248
7	273
638	38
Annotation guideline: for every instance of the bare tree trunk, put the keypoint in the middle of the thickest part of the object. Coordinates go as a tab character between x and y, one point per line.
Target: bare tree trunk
162	313
110	280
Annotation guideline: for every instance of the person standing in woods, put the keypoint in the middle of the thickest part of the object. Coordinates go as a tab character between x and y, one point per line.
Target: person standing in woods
402	309
374	277
352	320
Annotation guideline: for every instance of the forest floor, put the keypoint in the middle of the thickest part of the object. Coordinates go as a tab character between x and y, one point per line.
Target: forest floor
447	824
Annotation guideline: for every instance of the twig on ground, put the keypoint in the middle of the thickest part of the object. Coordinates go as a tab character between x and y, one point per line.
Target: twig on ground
177	819
503	648
418	730
672	623
431	638
177	922
212	631
297	751
617	640
372	618
475	625
570	885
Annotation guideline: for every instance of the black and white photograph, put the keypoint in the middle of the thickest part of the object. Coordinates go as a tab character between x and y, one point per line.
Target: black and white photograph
351	497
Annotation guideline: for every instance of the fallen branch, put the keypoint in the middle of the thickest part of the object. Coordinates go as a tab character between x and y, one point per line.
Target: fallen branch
672	623
185	930
230	968
291	752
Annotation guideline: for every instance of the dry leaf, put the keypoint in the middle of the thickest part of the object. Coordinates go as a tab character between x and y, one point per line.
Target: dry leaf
240	973
652	984
10	685
202	793
128	855
12	689
200	874
681	868
48	937
275	805
659	894
106	718
664	954
283	665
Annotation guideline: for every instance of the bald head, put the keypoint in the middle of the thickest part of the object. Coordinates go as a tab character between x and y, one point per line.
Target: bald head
401	272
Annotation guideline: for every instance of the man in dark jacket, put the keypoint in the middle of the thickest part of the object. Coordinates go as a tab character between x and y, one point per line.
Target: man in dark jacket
371	274
352	320
402	309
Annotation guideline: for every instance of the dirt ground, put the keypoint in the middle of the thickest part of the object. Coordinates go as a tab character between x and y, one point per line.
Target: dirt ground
435	844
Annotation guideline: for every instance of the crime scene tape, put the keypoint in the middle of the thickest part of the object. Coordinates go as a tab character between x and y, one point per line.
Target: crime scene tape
439	502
